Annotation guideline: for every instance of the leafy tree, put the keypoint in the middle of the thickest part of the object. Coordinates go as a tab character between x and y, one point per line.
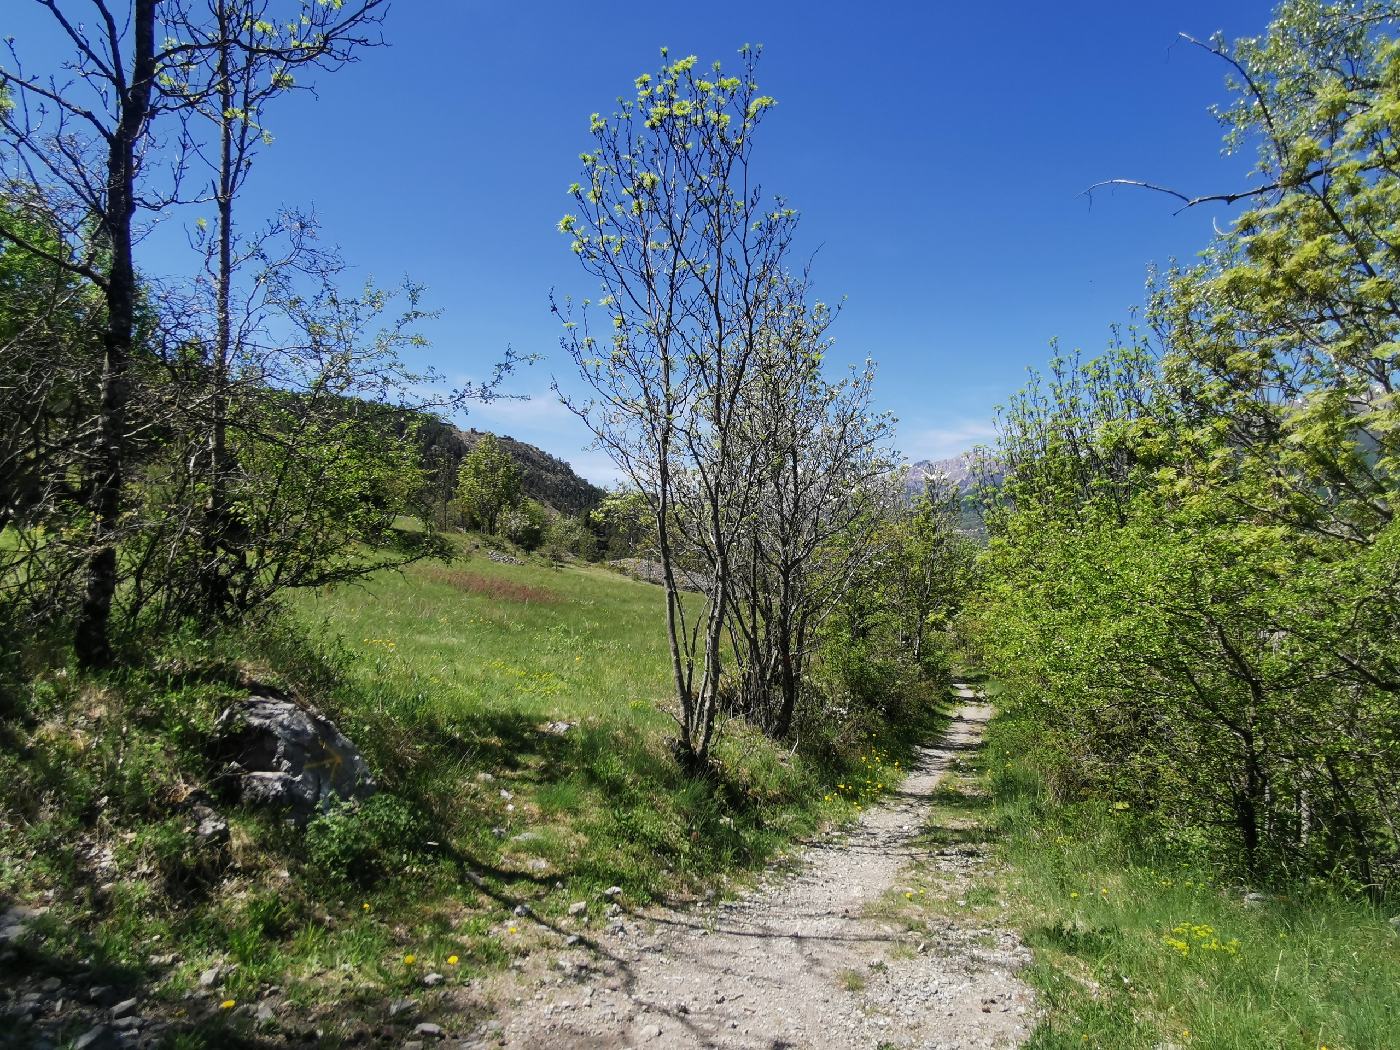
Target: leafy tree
250	52
1185	579
931	565
525	523
488	483
623	523
91	139
818	461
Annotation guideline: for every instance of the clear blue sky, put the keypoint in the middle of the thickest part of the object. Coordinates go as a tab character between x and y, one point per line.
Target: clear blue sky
937	153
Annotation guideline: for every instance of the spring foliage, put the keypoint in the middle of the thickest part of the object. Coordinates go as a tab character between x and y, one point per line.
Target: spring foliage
1191	580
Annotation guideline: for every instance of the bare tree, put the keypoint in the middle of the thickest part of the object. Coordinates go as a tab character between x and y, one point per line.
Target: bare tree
686	250
818	457
89	141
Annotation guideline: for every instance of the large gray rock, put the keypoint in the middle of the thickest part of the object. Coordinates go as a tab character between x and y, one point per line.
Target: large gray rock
290	757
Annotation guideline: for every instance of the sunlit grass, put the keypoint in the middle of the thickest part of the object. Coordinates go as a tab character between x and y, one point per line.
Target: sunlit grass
1136	950
522	713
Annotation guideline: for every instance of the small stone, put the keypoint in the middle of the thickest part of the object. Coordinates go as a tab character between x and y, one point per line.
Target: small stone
612	892
499	832
578	908
1395	923
51	984
428	1031
129	1023
507	795
521	910
90	1039
210	977
265	1016
653	1031
485	778
413	1044
432	980
123	1008
399	1006
1255	898
572	939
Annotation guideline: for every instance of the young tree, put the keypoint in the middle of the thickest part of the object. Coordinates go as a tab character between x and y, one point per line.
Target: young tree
932	567
250	52
488	483
673	226
815	451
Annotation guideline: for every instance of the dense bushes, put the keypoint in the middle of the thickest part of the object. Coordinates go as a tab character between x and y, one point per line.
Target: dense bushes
1190	584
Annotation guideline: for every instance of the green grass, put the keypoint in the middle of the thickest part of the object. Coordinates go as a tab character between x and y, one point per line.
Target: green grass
448	677
1141	949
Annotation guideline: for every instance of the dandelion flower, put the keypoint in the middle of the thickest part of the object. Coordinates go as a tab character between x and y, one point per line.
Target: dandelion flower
452	960
227	1004
365	905
409	960
513	929
1074	895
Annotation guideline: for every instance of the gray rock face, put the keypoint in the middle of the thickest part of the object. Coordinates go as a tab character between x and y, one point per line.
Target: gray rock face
289	757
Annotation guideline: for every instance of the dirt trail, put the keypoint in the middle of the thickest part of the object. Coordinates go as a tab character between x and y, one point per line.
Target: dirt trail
798	962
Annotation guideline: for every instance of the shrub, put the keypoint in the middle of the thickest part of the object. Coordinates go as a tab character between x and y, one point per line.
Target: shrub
567	536
525	525
363	841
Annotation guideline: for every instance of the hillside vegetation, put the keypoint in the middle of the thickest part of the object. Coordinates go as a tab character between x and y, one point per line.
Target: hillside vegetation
515	718
310	699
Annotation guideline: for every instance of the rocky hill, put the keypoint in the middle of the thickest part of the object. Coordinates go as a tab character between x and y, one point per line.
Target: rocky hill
543	477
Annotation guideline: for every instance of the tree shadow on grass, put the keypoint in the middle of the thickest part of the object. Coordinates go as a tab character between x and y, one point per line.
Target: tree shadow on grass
89	982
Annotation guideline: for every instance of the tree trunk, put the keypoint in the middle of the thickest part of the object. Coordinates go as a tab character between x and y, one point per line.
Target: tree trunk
92	635
214	534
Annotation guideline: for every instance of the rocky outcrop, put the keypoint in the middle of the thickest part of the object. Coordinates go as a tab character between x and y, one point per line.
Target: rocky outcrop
287	756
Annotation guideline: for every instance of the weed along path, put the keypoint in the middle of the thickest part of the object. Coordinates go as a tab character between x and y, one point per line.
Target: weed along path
823	956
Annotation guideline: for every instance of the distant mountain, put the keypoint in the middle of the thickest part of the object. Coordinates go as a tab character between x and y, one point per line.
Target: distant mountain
961	471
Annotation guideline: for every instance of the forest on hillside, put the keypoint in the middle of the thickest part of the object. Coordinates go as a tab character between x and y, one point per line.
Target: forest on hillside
235	493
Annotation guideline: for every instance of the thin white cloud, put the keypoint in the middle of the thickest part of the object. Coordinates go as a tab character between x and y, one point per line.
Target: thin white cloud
947	440
540	410
596	467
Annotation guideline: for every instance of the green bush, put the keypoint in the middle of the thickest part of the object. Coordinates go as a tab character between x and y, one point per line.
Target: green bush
525	525
569	536
361	842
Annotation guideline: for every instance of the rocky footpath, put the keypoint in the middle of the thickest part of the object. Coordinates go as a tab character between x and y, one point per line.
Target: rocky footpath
800	962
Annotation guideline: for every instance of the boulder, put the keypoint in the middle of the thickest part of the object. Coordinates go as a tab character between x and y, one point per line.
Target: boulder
288	756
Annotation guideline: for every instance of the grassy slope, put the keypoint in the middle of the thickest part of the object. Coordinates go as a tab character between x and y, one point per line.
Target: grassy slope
1140	951
447	677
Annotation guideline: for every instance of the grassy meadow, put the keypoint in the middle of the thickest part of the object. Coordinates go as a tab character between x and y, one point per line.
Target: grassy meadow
516	718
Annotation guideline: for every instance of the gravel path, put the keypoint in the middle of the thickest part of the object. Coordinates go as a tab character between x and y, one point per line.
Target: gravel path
798	962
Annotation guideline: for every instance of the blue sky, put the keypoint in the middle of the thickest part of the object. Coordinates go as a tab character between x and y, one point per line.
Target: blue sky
937	153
